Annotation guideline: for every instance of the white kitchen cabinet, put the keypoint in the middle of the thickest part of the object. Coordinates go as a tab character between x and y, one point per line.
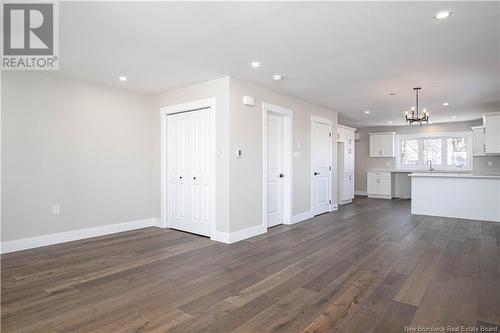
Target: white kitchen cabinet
345	164
491	122
382	144
479	140
379	185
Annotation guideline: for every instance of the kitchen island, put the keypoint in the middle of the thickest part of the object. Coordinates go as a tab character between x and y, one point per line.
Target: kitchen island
473	196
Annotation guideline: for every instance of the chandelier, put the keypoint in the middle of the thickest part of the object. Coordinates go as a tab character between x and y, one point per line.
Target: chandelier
414	117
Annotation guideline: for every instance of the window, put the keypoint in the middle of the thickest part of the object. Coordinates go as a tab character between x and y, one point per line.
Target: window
432	151
409	152
457	151
444	150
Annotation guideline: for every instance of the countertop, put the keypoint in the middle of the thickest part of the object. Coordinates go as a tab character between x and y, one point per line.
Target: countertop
416	170
456	175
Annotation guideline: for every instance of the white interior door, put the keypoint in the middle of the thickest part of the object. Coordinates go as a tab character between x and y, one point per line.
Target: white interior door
188	171
321	167
274	170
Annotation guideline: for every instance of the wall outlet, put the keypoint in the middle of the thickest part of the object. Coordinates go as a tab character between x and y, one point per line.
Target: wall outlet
56	209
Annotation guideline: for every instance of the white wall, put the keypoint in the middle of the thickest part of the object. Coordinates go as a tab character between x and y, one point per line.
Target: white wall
96	151
246	133
363	162
85	147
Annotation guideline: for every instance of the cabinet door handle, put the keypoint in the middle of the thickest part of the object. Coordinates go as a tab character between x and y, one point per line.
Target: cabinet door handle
316	173
484	148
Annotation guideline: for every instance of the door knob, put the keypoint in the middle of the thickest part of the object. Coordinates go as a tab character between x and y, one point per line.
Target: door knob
282	175
194	178
180	177
316	173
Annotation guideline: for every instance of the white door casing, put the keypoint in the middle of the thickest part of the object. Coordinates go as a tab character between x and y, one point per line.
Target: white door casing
321	165
188	167
274	170
280	120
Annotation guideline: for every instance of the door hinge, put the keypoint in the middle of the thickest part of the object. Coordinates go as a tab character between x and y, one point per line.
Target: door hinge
330	202
330	134
330	168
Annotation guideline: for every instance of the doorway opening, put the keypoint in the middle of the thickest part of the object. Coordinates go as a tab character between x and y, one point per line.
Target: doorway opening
277	174
188	167
321	165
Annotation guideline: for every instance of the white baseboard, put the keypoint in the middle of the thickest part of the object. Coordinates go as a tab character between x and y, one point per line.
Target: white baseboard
236	236
389	197
68	236
302	217
362	193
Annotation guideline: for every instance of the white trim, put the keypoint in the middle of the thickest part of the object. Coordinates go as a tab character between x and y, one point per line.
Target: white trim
347	127
68	236
381	133
362	193
236	236
190	106
330	194
381	196
302	217
287	161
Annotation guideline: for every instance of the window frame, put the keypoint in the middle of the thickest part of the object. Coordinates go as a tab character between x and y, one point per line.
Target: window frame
443	136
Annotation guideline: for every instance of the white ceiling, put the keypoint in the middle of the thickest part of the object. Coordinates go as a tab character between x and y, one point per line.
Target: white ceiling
344	55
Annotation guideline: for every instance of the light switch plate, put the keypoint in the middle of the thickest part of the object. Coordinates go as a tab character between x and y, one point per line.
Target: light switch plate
56	209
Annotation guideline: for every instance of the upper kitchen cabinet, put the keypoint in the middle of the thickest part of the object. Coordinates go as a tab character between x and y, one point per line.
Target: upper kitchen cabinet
382	144
491	122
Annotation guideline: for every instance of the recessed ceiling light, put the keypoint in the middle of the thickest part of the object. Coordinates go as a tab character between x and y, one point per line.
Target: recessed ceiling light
454	117
445	104
255	64
277	77
442	15
367	111
389	122
122	78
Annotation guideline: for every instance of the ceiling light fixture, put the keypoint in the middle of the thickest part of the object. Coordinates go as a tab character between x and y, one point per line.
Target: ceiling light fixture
445	104
414	118
453	117
389	122
122	78
367	112
255	64
277	77
442	15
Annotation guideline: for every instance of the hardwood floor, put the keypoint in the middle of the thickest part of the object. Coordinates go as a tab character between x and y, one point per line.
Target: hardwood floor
371	267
